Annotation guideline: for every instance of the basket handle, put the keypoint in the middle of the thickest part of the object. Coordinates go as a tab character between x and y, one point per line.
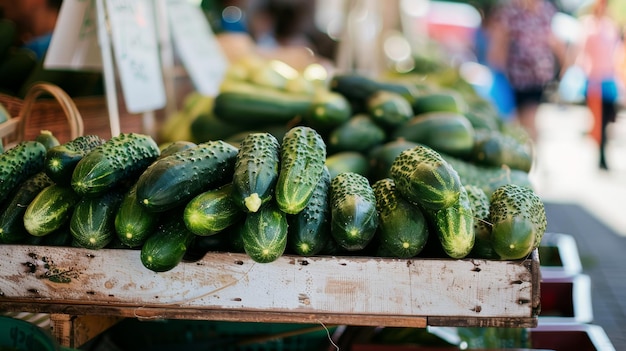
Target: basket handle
72	114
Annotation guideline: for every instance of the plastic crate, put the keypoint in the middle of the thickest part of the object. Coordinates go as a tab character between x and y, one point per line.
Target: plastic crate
20	335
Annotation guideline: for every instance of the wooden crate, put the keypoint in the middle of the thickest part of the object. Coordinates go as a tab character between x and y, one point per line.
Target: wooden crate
224	286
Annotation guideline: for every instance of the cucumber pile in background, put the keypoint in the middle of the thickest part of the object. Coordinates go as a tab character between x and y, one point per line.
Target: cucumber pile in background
276	163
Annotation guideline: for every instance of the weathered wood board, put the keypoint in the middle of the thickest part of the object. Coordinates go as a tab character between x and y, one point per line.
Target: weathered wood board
230	286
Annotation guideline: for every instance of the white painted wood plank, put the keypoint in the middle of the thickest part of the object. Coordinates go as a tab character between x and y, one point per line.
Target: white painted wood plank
228	281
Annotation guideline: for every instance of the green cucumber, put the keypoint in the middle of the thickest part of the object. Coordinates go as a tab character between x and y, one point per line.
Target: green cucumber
260	106
354	218
133	222
93	220
496	149
120	158
212	211
256	171
174	147
440	100
62	159
382	156
18	164
402	228
454	226
358	88
483	248
264	234
447	132
328	110
388	109
172	181
360	133
424	177
50	209
47	139
12	228
166	248
347	161
309	230
518	220
302	158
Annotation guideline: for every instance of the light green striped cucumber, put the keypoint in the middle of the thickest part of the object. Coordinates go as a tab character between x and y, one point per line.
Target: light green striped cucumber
256	170
122	157
18	164
302	161
454	226
212	211
423	177
264	234
518	220
133	222
62	159
93	220
402	227
50	209
354	218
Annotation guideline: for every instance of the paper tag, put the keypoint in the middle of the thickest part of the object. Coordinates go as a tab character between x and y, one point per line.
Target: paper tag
74	43
136	53
197	47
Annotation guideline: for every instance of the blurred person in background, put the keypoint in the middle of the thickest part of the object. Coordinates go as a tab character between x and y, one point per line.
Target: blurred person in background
599	56
524	47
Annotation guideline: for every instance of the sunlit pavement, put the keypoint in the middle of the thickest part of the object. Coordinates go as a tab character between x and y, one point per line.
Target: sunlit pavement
566	168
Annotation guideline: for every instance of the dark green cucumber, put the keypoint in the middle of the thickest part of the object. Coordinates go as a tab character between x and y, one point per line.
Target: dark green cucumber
47	139
360	133
212	211
447	132
423	177
175	146
302	158
18	164
259	106
309	230
454	226
166	248
518	220
328	110
93	220
358	88
62	159
256	171
388	109
440	100
50	209
354	218
174	180
347	161
120	158
264	234
133	222
483	248
493	148
402	228
12	228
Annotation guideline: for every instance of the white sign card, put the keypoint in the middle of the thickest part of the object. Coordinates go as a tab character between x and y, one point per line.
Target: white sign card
74	43
196	45
136	52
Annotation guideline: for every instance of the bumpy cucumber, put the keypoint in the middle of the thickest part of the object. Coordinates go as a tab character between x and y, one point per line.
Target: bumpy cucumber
454	226
12	228
256	170
382	156
47	139
483	248
62	159
493	148
360	133
264	234
122	157
50	209
212	211
302	158
354	218
18	164
174	180
309	230
347	161
328	110
133	222
389	109
422	176
518	220
402	229
166	248
93	220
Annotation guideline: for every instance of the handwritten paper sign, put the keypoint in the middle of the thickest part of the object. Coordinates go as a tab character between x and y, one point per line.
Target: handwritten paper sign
196	45
136	53
74	43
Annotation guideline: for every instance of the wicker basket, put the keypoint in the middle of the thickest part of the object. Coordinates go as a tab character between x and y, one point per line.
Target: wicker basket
59	115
